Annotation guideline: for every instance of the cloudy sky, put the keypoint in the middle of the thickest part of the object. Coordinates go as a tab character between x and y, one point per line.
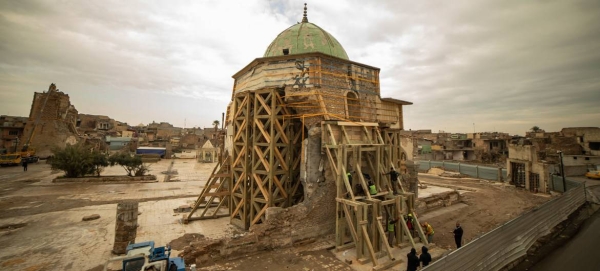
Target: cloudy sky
466	65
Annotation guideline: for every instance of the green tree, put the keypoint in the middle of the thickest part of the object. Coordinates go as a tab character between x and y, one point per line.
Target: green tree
535	129
99	162
78	161
132	164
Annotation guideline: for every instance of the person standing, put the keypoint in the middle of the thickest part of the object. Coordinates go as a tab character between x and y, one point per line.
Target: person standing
425	257
410	223
413	261
394	177
458	233
428	231
24	165
391	228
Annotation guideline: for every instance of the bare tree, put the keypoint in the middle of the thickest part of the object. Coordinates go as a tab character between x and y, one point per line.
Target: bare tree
216	124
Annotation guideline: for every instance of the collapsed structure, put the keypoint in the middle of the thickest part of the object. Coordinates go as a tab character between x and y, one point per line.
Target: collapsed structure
51	122
307	130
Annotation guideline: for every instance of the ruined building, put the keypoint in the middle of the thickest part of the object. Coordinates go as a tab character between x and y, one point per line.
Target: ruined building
534	159
307	131
11	130
51	122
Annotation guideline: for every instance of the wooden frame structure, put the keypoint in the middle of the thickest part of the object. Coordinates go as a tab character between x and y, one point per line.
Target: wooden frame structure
359	149
263	168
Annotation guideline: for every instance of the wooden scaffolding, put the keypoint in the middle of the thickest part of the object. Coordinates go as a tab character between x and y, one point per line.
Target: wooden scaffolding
262	170
358	155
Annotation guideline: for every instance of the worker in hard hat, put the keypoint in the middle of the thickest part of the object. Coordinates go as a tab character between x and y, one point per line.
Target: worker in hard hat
410	224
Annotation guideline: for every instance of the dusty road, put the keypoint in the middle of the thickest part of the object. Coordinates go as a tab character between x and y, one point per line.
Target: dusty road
491	205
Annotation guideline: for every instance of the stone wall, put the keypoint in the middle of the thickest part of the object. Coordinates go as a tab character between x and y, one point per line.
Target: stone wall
106	179
437	201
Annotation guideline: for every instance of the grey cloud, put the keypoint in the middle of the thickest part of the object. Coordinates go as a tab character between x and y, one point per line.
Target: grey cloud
504	65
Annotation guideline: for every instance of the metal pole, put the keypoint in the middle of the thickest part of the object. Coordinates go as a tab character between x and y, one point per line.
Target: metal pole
562	171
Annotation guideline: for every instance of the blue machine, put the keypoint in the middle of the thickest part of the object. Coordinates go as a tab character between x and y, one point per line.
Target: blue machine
154	255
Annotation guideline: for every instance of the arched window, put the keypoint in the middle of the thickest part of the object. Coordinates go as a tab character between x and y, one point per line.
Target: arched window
352	106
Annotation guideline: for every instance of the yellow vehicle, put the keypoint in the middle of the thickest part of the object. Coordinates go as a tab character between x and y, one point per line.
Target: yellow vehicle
593	175
10	160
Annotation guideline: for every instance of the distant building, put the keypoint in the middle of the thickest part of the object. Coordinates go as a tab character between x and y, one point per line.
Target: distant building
11	129
118	143
532	161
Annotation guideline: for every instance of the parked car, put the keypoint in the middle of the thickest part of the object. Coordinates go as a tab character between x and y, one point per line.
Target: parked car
593	175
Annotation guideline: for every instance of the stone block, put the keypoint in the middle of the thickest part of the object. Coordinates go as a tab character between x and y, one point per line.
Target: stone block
91	217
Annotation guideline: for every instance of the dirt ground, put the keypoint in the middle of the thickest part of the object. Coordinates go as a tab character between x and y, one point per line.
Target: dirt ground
491	205
41	219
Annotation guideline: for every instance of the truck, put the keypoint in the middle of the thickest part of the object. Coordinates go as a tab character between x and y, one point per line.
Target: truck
145	257
15	159
10	159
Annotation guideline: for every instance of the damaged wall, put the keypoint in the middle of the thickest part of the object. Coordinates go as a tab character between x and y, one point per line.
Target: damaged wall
51	122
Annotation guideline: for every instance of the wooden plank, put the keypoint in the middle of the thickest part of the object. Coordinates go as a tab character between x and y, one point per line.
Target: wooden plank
264	105
384	238
282	133
282	161
363	225
351	226
367	124
261	128
332	162
258	216
419	229
331	135
367	135
217	194
278	184
362	181
238	207
261	157
347	183
259	181
345	135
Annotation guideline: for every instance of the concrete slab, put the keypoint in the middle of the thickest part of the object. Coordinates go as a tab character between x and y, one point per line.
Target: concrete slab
432	190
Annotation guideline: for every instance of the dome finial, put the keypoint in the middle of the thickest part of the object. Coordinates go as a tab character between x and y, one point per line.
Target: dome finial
304	18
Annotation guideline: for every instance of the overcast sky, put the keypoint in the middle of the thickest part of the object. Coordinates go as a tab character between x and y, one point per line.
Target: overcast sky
466	65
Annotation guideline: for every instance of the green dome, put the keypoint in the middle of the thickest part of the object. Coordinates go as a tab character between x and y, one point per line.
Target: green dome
303	38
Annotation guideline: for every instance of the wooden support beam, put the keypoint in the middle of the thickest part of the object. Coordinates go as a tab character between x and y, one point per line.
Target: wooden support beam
331	136
351	225
384	239
362	182
367	240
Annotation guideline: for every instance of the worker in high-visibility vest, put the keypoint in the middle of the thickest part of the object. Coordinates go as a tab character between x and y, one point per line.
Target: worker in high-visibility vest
372	188
391	229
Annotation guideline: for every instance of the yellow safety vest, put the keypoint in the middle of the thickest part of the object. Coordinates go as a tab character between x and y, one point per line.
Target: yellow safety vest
391	226
372	190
